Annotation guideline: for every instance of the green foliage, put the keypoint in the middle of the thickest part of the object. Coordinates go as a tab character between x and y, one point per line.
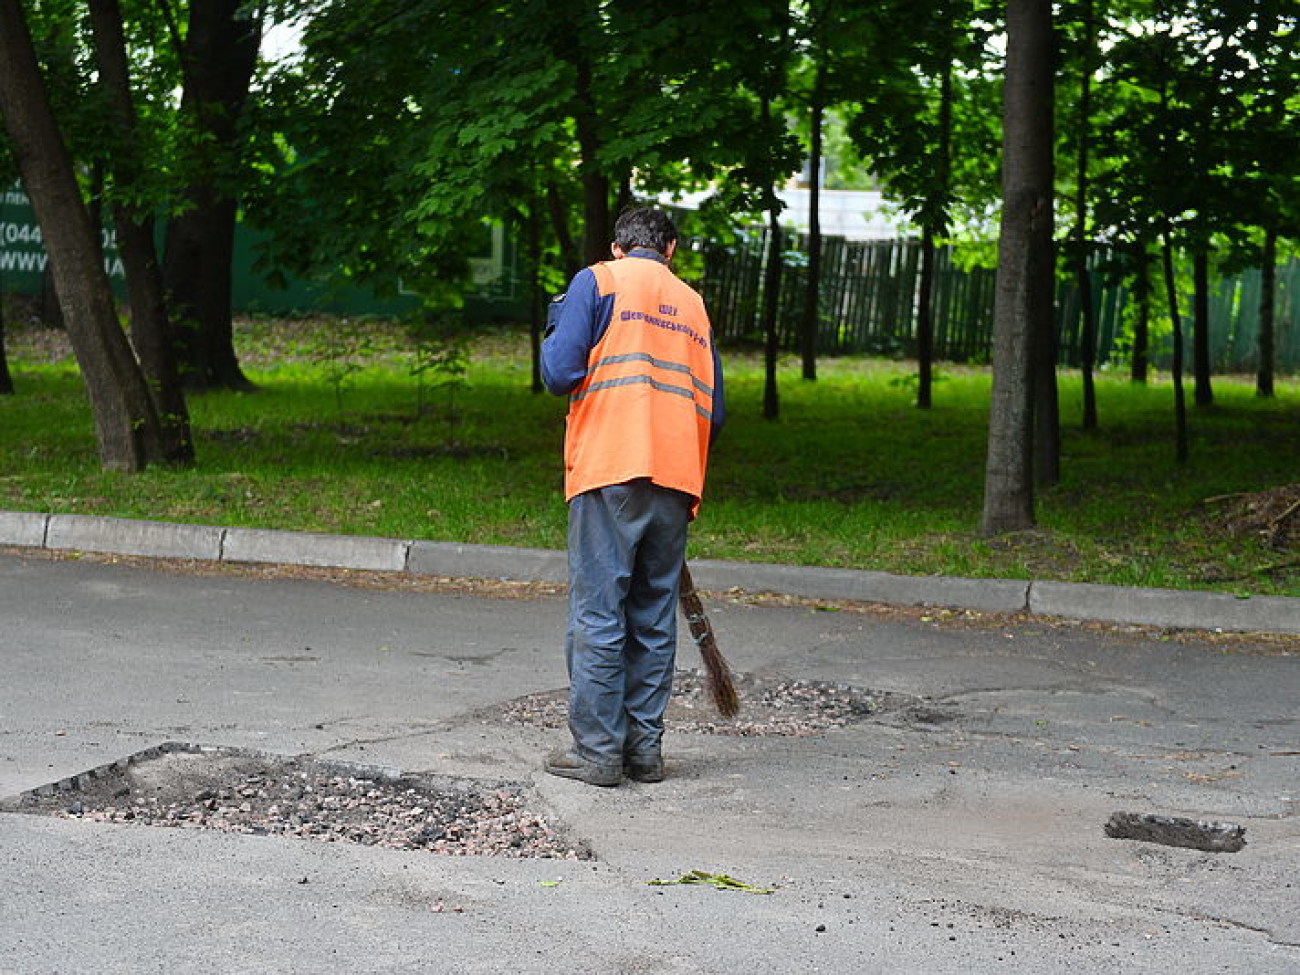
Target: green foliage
1199	130
845	168
340	142
403	125
906	73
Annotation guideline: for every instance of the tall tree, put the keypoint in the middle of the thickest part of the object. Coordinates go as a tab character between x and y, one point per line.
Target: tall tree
772	273
1150	181
421	120
934	225
218	54
1082	232
151	330
1141	290
920	86
1267	314
126	423
834	47
1203	394
1181	447
1264	155
577	50
810	319
1202	147
1025	273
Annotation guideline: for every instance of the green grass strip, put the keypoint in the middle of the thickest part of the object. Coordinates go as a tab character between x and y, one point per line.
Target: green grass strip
852	474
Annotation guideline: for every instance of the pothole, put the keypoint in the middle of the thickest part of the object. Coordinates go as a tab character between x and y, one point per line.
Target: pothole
232	790
768	707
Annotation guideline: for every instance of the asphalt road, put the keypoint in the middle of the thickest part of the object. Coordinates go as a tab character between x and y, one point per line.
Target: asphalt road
959	830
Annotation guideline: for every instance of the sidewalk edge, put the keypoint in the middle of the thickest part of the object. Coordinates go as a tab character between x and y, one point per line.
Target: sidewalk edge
1179	609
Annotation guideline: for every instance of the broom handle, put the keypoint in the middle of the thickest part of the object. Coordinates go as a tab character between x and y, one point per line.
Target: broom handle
721	686
692	607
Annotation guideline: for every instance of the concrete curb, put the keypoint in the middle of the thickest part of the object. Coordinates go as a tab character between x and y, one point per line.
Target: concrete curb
124	536
1166	607
329	551
1155	607
987	595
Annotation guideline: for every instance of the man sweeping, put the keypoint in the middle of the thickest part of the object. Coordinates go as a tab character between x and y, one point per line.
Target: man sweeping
631	346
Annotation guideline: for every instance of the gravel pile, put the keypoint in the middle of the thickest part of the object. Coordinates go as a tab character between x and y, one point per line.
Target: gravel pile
292	797
782	708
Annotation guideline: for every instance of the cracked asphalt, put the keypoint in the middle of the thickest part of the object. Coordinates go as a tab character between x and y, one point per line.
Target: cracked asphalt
959	829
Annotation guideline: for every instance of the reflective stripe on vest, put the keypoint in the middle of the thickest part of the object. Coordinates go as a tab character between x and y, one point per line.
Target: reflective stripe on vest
645	406
675	389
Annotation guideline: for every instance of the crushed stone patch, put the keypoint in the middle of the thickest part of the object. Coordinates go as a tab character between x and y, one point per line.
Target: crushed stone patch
769	707
184	786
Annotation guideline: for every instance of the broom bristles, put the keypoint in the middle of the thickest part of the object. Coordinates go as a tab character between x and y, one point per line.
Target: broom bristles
721	687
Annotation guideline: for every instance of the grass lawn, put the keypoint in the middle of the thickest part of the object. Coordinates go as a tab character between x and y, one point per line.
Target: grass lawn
852	474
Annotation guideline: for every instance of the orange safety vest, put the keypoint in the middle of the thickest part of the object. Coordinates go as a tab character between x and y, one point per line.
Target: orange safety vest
645	405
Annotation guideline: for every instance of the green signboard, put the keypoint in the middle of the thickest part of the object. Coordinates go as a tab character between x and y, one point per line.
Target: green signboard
22	249
495	273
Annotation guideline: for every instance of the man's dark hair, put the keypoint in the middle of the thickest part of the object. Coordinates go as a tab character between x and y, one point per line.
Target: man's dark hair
644	227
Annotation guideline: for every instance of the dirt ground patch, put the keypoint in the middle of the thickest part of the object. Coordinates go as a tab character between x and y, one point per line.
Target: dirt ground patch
1271	517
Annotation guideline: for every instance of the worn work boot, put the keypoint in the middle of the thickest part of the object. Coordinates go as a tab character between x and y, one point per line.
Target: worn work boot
644	768
567	764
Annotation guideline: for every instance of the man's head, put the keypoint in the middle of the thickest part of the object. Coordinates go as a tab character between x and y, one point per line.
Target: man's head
644	227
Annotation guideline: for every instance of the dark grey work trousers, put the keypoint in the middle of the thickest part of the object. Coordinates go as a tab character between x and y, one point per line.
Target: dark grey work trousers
626	547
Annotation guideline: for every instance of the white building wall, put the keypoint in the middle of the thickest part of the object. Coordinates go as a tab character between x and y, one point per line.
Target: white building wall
852	214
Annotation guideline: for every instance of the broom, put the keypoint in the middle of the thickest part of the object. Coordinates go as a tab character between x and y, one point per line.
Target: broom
722	689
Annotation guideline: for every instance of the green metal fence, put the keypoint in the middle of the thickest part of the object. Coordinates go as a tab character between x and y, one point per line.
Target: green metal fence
868	300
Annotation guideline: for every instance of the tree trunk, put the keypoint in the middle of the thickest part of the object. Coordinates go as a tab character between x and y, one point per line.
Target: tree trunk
1142	320
771	309
1180	400
537	299
50	313
200	250
1201	327
810	323
219	55
560	224
597	227
925	323
1083	280
6	380
1047	402
125	421
1024	276
935	224
622	197
152	334
1267	313
1087	336
95	204
151	331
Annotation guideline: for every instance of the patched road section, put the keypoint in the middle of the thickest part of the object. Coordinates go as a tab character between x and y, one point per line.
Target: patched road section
234	790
